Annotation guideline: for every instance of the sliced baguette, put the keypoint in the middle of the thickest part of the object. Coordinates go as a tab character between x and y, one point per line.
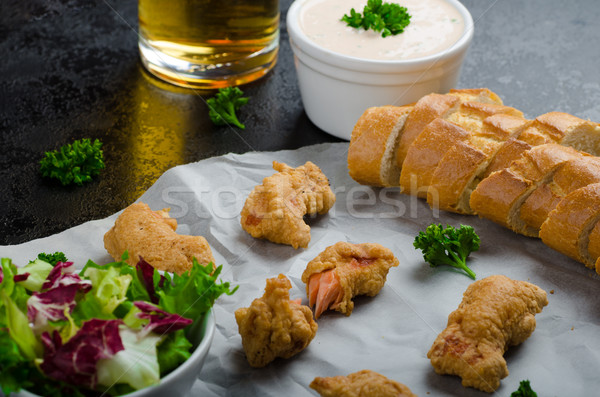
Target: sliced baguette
569	225
573	175
565	129
553	127
500	196
425	154
594	245
463	166
510	151
433	106
373	145
439	136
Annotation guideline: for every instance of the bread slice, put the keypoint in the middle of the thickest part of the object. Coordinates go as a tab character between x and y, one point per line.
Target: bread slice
569	225
594	245
455	172
463	166
425	154
439	136
553	127
510	151
565	129
433	106
375	138
572	175
500	196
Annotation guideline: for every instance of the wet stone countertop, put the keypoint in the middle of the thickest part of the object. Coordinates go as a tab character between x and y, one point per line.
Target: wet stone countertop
70	69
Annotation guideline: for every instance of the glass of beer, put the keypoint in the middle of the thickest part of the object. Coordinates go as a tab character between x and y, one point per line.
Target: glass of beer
209	43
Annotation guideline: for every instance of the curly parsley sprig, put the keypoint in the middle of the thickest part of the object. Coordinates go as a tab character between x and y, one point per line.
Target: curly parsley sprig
222	107
448	246
524	390
74	163
387	18
52	259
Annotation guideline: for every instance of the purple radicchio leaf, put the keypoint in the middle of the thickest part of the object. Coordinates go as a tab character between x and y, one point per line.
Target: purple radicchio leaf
63	274
145	273
161	322
1	274
75	361
17	277
57	296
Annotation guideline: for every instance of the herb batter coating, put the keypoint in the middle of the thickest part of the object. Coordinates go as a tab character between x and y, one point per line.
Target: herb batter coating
151	235
495	313
273	326
365	383
275	209
343	271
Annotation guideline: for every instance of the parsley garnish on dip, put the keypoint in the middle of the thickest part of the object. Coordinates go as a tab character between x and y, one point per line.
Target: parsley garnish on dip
435	25
387	18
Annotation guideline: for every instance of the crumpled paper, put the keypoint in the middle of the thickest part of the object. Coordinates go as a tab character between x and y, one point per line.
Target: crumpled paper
390	333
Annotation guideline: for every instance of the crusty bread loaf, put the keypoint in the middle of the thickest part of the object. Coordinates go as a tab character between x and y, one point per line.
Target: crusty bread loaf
439	136
565	129
468	153
553	127
510	151
460	170
456	170
425	154
568	226
433	106
594	245
572	175
500	196
373	145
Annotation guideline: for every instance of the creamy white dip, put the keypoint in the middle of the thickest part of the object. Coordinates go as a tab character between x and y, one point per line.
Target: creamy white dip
435	25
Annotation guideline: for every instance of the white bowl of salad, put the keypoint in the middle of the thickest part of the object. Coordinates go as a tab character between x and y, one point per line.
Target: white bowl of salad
106	330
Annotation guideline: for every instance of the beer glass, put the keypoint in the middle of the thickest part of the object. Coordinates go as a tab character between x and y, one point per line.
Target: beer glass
208	43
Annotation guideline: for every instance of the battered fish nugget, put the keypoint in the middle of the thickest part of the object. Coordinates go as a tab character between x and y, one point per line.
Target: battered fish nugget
365	383
495	313
273	326
151	235
275	209
344	271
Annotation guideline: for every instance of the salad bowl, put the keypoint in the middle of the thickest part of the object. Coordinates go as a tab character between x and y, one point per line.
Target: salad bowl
179	381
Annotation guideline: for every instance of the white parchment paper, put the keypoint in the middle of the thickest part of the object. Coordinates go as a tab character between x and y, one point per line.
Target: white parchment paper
390	333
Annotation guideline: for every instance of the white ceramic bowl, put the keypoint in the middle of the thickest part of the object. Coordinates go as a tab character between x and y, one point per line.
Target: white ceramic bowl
180	381
336	89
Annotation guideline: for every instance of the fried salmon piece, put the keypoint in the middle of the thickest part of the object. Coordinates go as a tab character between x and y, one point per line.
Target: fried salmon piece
275	209
495	313
343	271
365	383
275	326
151	235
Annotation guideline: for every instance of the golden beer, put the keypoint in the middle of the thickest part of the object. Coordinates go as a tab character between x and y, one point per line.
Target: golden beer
209	43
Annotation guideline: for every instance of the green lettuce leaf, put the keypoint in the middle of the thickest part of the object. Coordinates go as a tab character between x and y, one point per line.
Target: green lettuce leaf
15	368
109	287
132	320
136	366
15	291
38	271
193	293
19	329
172	351
136	290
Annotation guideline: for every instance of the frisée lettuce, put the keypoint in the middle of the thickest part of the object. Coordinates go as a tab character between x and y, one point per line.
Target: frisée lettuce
108	329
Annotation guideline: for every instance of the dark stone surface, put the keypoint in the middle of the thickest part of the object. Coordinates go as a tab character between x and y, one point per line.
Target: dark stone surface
71	70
